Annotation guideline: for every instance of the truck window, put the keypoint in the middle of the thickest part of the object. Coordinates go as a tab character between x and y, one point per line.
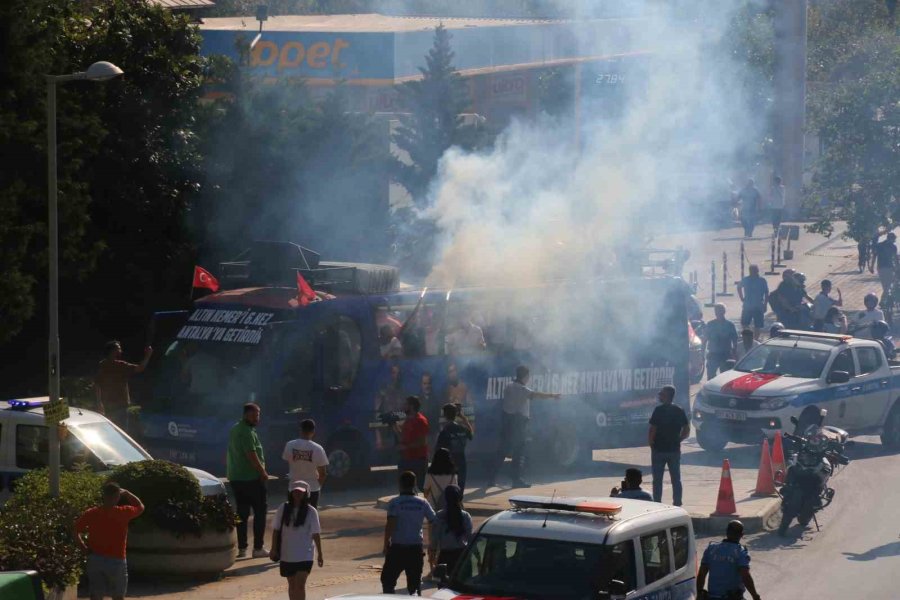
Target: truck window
680	545
655	551
869	360
32	446
844	362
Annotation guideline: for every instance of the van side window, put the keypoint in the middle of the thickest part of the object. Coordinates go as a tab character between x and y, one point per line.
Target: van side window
680	545
621	558
32	446
655	551
869	360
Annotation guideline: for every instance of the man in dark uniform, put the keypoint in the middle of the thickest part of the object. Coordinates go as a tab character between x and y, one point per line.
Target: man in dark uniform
728	565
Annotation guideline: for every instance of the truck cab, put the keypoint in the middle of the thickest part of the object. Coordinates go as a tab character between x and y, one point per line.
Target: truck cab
796	374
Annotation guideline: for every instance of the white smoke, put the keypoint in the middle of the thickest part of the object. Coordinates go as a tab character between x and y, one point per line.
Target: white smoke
547	201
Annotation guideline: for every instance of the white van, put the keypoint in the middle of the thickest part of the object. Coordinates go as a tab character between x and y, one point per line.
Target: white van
92	439
577	549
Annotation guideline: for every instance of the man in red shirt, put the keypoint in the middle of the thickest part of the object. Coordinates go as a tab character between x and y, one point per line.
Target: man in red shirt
107	530
111	383
413	440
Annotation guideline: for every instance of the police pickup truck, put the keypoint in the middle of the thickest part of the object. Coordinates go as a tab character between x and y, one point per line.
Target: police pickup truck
795	374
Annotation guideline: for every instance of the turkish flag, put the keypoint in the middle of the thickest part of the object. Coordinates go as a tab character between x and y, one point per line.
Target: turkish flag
305	294
204	279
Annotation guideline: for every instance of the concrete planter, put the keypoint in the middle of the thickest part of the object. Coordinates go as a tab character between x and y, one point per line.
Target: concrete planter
163	553
70	592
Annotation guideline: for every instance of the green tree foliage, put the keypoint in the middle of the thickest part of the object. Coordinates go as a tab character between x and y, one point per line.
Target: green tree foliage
854	108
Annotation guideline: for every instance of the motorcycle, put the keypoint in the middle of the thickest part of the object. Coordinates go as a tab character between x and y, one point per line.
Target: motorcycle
816	452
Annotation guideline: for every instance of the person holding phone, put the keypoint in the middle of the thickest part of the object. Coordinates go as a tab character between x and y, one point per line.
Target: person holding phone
631	486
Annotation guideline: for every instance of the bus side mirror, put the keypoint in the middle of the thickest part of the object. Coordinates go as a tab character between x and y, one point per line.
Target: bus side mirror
440	573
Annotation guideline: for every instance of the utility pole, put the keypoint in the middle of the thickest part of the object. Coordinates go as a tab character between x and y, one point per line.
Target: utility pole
790	98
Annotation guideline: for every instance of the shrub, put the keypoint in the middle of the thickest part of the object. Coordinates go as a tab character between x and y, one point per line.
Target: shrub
36	531
172	499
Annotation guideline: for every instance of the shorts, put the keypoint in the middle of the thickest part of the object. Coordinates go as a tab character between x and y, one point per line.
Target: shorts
289	569
757	316
107	576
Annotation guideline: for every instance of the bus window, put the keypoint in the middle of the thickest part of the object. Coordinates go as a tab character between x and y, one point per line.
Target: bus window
341	347
405	332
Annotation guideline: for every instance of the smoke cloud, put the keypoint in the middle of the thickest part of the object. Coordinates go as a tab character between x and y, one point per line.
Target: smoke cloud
561	198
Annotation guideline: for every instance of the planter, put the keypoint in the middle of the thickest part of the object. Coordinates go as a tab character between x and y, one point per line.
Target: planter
163	553
70	592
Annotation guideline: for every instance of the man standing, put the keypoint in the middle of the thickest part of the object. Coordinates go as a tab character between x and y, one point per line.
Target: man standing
457	392
746	344
403	539
753	291
776	203
721	342
823	303
454	437
669	426
246	469
111	382
107	530
728	565
750	197
631	486
413	440
307	461
885	258
517	399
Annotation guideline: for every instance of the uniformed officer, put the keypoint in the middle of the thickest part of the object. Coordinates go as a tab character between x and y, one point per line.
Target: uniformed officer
403	540
728	565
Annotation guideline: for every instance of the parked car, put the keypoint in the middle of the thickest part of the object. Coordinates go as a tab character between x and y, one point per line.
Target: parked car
92	439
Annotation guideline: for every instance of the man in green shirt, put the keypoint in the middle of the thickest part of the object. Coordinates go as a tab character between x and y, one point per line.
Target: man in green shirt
246	468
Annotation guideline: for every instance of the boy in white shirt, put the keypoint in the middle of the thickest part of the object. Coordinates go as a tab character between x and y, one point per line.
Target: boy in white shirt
307	460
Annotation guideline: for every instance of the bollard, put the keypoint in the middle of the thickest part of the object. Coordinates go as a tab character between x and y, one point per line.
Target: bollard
725	291
772	270
712	278
778	252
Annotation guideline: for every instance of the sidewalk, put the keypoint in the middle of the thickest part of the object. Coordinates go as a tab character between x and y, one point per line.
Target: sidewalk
700	474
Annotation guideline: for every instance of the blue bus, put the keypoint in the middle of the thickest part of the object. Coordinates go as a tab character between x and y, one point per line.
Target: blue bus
606	346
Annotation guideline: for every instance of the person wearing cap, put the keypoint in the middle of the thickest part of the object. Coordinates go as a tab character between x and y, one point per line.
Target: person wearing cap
727	563
403	538
307	460
884	257
295	530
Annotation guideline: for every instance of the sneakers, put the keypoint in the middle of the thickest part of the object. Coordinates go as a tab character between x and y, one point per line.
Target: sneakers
260	553
242	553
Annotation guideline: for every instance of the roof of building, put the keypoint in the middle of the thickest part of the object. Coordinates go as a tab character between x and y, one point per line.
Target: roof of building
183	4
360	23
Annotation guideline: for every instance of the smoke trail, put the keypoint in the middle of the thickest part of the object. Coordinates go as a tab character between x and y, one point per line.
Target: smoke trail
545	201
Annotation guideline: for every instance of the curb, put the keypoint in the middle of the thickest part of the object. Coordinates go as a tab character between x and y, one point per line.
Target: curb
703	523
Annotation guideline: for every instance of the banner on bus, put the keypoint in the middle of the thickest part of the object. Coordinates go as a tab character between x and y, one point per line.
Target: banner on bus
226	326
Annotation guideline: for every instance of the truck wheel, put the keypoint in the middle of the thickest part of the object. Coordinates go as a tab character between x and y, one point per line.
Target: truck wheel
890	436
568	451
711	439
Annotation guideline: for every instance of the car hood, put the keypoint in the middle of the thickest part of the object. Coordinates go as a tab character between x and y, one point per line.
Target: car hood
738	383
210	485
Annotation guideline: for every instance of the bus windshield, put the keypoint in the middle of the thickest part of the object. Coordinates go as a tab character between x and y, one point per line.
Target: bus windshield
531	568
788	361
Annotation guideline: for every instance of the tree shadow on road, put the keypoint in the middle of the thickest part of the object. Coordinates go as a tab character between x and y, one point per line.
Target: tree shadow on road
883	551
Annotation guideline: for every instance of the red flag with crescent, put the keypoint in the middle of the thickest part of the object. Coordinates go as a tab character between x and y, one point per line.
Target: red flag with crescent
305	293
204	279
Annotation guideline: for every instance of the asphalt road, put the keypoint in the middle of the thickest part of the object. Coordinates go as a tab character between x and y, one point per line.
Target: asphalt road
856	554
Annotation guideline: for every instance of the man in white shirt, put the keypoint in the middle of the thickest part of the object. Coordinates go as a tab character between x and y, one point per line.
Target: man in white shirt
468	338
307	460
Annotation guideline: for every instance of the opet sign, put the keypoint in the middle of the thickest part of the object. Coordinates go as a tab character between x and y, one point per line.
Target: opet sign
294	54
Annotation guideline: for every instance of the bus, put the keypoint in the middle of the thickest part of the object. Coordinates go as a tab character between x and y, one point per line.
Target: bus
606	346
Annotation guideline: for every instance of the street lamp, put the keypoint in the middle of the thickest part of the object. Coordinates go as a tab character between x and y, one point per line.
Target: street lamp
99	71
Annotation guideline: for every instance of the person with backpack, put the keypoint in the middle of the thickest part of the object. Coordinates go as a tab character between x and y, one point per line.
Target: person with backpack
441	474
451	530
295	530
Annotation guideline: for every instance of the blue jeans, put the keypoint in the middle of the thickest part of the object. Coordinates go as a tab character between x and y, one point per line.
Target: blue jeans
659	461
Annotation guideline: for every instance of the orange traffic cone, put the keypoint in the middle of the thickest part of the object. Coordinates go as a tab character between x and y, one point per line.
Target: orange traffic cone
725	504
778	465
765	480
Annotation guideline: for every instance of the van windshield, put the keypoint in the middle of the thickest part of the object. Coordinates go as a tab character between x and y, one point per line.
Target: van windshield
531	568
108	444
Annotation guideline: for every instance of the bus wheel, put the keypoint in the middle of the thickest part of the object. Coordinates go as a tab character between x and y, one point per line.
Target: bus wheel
567	450
344	460
710	439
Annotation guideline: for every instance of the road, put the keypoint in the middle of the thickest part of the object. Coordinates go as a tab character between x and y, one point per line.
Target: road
857	552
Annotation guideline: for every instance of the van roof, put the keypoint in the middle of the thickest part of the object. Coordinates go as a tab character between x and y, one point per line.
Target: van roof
76	415
584	527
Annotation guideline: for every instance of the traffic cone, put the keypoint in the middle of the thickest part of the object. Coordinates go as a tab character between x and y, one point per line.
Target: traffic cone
765	480
725	504
778	465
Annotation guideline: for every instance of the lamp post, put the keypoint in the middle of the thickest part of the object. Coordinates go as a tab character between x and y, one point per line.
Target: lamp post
99	71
